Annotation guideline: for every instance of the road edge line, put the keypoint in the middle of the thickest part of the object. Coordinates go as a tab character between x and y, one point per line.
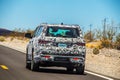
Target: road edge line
92	73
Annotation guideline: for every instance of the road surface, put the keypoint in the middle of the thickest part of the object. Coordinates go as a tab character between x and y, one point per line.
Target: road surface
12	67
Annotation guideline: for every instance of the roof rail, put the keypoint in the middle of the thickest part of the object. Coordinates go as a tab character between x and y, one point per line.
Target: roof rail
44	23
60	24
75	24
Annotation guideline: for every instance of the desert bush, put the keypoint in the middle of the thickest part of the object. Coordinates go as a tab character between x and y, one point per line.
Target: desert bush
18	32
11	39
117	43
106	43
2	39
98	34
95	44
89	36
20	38
99	47
95	51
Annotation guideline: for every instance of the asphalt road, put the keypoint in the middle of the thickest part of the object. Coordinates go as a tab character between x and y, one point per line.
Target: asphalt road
12	67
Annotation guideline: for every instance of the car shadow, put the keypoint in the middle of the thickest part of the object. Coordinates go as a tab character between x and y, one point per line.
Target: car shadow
58	71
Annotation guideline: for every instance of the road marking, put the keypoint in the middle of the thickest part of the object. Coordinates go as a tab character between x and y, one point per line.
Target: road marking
4	67
99	75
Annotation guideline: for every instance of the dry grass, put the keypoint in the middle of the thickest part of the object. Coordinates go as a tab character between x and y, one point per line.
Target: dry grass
2	39
96	44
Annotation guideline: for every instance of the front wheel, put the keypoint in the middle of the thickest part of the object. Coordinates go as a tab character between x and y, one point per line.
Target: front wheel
80	69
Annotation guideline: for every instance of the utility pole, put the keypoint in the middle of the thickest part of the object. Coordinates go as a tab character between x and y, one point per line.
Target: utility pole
90	33
104	29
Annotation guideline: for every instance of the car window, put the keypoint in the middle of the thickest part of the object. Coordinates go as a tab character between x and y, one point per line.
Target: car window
62	32
35	32
39	31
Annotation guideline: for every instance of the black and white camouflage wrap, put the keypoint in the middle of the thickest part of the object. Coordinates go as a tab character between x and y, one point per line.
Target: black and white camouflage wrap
50	48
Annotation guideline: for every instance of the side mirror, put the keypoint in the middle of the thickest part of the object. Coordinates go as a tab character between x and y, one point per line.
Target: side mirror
28	35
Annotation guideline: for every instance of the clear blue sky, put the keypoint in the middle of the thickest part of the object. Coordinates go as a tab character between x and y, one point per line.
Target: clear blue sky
30	13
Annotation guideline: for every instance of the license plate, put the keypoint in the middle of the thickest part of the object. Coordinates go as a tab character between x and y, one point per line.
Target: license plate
62	45
61	59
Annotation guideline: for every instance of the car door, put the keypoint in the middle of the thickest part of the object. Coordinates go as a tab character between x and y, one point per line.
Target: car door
36	38
31	44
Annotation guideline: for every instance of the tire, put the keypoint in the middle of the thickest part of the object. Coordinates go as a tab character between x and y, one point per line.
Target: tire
80	69
28	62
69	69
28	65
34	66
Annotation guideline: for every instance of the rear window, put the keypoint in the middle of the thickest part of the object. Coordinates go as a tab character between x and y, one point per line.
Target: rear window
62	32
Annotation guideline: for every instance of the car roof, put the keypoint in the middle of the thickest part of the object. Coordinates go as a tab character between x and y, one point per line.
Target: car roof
60	25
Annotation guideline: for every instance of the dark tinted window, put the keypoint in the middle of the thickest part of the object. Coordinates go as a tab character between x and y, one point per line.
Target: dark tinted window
62	32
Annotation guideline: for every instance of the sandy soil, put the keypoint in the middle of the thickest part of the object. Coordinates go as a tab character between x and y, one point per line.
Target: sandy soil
107	62
16	43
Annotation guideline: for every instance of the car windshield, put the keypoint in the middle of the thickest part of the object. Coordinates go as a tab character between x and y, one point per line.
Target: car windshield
62	32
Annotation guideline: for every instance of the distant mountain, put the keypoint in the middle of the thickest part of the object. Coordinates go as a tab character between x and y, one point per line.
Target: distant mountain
4	31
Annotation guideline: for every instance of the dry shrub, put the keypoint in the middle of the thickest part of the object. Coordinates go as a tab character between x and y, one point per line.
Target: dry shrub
20	38
100	47
106	43
89	36
117	43
12	38
96	44
2	38
95	51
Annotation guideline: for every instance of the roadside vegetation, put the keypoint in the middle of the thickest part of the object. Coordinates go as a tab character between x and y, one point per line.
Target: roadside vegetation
2	39
106	37
17	33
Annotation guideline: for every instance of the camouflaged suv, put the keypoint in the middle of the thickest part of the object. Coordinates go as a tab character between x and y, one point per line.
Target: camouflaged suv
56	45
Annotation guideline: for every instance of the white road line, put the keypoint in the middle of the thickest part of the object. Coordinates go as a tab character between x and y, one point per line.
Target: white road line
99	75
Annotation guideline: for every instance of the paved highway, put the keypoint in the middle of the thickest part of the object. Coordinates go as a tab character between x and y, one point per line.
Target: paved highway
12	67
